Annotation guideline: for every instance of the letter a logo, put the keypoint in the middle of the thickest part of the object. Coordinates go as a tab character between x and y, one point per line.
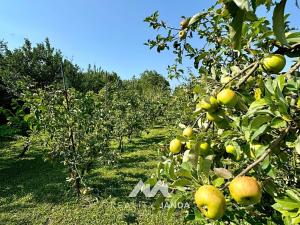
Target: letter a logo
159	186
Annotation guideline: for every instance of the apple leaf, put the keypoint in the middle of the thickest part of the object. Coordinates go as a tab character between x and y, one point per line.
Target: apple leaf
222	172
182	126
235	29
259	131
293	194
278	22
278	123
243	4
293	37
218	182
151	181
260	103
181	182
288	203
195	18
259	120
259	151
204	164
297	145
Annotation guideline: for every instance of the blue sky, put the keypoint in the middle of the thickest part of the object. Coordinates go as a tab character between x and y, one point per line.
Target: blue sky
108	33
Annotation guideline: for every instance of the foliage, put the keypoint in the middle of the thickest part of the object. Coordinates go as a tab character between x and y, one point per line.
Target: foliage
37	192
263	127
73	125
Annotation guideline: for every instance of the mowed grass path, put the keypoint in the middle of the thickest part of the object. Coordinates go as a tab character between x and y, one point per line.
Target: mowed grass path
33	191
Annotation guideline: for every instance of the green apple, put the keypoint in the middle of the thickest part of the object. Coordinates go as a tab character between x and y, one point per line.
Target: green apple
175	146
245	190
187	132
188	145
215	116
227	97
273	63
184	23
203	148
182	34
230	149
210	201
210	104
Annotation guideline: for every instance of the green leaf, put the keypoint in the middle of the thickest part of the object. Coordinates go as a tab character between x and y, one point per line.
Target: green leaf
222	172
181	182
259	120
259	151
169	170
281	82
185	170
198	215
195	18
235	29
184	173
151	181
265	164
259	131
293	37
204	164
218	182
278	22
278	123
297	145
260	103
288	204
159	200
243	4
293	195
269	86
27	117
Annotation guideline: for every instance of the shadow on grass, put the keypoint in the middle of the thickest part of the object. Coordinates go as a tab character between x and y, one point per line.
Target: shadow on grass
31	177
143	143
133	162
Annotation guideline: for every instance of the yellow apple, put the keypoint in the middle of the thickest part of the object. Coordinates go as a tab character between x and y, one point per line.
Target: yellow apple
187	132
210	201
273	63
230	149
188	145
204	148
182	34
214	116
175	146
209	104
227	97
245	190
184	23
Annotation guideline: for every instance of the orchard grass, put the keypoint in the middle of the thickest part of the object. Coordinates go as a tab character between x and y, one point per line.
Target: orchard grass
34	191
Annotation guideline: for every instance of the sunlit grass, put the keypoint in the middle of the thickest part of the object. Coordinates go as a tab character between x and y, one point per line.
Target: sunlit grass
35	192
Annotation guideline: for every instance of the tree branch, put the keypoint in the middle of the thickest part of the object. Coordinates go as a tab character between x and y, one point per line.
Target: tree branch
293	69
245	78
198	118
263	156
239	74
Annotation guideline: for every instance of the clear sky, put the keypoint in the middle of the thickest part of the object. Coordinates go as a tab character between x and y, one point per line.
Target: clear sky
108	33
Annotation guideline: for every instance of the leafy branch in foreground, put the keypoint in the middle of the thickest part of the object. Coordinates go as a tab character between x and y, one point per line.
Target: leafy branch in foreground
247	114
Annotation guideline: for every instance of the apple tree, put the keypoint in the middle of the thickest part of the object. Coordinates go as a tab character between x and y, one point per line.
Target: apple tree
73	127
237	161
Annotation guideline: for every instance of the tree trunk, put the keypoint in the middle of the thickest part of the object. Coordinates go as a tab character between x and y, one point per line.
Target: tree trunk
25	148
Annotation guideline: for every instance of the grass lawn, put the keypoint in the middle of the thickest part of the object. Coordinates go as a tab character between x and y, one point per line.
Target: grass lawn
33	191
